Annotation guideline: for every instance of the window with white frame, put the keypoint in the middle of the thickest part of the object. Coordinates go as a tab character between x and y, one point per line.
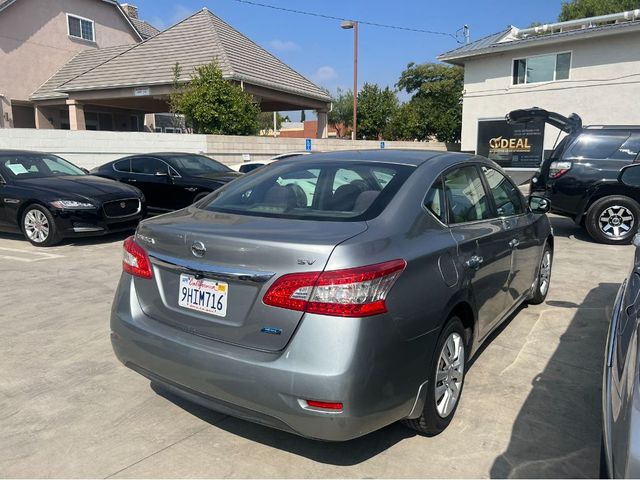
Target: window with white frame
542	68
81	28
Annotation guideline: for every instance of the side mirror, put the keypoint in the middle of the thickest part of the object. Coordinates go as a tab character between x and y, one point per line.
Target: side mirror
539	204
630	175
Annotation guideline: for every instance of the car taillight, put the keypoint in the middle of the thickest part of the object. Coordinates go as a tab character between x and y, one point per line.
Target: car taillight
352	292
557	169
135	260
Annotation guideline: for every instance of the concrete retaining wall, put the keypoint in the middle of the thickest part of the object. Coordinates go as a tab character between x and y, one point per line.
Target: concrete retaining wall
89	149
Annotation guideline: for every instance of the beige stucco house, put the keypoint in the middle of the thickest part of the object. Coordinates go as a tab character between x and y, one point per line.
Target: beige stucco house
38	37
590	66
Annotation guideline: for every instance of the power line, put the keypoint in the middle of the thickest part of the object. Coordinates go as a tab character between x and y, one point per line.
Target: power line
331	17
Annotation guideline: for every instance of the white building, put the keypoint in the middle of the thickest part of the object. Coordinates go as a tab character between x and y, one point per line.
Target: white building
589	66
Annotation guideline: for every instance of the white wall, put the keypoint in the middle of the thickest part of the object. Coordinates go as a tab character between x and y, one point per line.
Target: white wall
603	87
89	149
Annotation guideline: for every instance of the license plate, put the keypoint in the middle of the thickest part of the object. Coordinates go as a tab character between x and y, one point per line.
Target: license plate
203	295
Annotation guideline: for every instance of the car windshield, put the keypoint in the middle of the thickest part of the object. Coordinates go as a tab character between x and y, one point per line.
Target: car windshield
334	191
195	165
33	165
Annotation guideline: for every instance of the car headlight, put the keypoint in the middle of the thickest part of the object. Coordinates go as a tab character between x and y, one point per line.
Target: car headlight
72	205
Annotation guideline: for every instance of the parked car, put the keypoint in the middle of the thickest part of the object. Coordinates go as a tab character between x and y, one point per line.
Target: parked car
48	198
247	167
170	181
621	376
580	176
333	312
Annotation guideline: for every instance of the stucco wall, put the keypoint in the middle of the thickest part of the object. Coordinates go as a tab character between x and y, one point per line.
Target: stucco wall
89	149
603	87
34	42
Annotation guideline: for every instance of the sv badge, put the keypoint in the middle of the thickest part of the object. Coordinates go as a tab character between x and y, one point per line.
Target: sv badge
302	261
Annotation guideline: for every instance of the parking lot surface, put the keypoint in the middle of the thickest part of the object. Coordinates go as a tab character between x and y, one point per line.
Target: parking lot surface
530	408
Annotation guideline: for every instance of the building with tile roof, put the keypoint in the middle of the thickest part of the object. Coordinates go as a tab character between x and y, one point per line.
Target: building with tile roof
140	77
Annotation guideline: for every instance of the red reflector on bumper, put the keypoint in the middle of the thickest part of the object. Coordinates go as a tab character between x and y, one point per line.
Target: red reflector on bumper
327	405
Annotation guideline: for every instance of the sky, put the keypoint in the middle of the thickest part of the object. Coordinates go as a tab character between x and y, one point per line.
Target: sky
323	52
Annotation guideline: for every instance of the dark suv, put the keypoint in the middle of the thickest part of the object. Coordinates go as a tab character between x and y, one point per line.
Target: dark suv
580	177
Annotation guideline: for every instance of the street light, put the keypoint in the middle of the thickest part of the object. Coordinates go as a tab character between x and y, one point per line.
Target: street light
347	25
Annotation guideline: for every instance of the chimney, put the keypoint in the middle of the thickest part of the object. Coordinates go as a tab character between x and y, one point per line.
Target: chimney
130	10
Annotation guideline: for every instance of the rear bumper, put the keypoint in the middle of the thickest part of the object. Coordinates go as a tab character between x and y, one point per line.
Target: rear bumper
376	376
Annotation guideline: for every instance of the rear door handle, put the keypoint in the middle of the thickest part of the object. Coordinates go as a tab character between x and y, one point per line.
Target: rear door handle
474	262
129	180
514	243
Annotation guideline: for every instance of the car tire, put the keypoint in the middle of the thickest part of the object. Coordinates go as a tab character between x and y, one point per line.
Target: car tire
613	220
200	196
437	414
542	283
39	227
604	471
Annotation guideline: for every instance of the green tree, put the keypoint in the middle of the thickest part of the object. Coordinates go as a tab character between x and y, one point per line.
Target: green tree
375	109
436	100
574	9
404	124
265	119
341	115
213	105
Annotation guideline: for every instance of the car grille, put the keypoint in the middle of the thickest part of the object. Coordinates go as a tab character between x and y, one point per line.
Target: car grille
121	208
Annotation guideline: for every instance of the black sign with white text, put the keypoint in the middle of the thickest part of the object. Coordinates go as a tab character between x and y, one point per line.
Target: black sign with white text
511	146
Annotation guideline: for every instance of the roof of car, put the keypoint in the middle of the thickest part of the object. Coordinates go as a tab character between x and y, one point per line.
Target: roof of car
405	157
21	152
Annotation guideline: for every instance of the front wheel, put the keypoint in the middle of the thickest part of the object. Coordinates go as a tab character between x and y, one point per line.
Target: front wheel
39	226
445	383
613	219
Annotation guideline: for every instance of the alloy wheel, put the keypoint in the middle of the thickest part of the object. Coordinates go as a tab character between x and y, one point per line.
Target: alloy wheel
36	226
545	273
616	221
449	375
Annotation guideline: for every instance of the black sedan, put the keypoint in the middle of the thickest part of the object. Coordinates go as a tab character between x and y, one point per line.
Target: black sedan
47	198
170	181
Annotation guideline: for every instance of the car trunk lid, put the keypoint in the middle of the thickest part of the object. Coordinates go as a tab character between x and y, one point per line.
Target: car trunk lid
247	254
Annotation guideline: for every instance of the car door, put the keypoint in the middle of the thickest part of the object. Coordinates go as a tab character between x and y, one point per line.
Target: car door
184	190
483	251
4	199
151	175
520	235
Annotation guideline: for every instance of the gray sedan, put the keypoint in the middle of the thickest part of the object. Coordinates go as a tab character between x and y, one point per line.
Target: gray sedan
620	456
332	295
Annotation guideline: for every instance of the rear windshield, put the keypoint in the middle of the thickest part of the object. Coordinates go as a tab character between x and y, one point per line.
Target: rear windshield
335	191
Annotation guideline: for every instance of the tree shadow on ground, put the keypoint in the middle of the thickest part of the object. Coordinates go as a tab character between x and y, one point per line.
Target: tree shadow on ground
557	431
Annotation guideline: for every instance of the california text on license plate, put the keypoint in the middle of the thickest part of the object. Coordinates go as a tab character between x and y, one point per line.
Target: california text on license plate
203	295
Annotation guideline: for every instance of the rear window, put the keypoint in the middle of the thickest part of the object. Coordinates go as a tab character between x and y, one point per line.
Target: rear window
596	146
331	191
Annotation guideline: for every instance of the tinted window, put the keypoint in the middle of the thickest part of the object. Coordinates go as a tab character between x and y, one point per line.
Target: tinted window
434	201
194	165
466	197
123	165
249	168
596	146
37	166
629	149
148	166
342	191
507	197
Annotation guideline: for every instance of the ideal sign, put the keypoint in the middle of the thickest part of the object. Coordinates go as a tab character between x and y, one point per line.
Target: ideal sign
511	146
